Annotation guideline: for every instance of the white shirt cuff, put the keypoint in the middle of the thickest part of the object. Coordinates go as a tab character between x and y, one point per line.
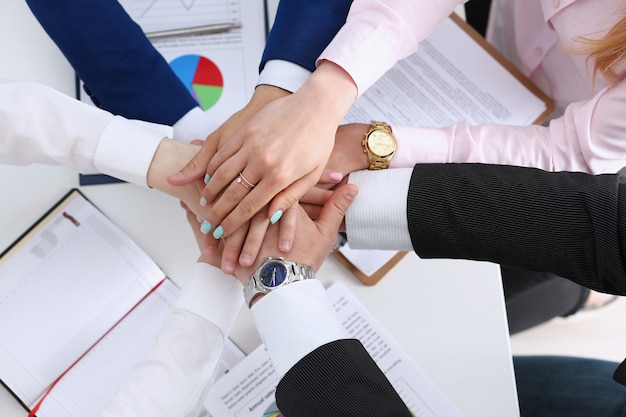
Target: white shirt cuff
126	149
377	218
283	74
196	124
295	320
212	295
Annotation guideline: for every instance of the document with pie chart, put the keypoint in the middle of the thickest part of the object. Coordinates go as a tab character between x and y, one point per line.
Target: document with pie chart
220	70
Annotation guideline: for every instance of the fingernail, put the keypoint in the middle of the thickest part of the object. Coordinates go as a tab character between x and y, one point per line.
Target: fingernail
336	176
205	227
177	175
276	216
207	177
203	202
217	233
285	246
245	259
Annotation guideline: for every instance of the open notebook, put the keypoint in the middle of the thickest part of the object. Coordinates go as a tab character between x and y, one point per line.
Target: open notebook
80	304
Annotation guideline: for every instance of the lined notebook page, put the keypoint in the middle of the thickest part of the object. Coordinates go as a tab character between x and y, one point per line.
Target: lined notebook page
90	385
61	288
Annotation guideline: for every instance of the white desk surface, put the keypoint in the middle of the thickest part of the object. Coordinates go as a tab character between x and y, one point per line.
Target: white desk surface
449	315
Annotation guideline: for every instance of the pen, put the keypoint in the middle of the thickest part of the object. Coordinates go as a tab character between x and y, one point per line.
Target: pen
195	30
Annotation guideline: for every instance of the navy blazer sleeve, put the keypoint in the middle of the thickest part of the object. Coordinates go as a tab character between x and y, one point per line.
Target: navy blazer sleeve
338	379
302	29
568	223
122	71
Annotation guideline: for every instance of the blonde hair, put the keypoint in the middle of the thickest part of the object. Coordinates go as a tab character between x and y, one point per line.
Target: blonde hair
607	52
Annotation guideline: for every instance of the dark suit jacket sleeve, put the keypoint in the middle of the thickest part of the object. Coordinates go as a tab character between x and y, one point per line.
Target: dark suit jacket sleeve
570	224
119	66
302	29
338	379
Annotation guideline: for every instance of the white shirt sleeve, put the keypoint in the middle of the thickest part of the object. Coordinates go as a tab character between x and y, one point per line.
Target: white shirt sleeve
377	218
196	124
41	125
174	378
283	74
295	320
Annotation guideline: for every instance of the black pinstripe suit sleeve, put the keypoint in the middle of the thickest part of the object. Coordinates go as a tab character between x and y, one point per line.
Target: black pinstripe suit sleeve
338	379
570	224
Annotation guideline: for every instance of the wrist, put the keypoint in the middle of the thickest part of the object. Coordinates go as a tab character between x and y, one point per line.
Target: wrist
331	88
273	274
349	144
170	157
265	94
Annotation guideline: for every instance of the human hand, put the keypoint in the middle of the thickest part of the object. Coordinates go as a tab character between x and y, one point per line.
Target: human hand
249	249
347	155
315	199
314	238
278	155
213	258
170	157
195	169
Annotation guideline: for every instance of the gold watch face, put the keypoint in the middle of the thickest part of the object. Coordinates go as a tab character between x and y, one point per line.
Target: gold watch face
381	143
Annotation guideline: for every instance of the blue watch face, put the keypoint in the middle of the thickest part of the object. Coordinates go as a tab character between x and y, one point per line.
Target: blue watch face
273	274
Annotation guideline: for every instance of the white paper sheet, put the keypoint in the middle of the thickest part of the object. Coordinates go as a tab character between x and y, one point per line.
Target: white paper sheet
248	389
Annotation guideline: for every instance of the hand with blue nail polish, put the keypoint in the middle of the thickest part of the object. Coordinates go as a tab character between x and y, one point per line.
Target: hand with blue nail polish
169	157
281	150
215	258
205	227
315	237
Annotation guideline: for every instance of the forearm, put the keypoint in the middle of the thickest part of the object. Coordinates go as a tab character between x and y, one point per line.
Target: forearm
377	218
42	125
118	64
378	33
331	89
460	142
302	29
174	378
306	312
346	376
570	224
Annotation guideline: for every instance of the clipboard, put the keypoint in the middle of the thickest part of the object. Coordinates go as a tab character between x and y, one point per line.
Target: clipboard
442	56
473	33
373	278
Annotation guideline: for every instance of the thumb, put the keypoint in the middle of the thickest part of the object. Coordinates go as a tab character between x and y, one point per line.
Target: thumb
334	210
194	169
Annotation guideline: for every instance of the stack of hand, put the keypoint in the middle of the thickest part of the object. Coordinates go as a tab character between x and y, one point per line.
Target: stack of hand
254	170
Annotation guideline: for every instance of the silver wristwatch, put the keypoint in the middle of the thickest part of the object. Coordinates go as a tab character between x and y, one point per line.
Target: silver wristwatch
275	273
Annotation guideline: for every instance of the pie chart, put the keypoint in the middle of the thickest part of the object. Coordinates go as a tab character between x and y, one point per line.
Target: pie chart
202	78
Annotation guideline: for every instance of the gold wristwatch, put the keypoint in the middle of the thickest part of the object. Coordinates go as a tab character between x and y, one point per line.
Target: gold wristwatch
379	144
